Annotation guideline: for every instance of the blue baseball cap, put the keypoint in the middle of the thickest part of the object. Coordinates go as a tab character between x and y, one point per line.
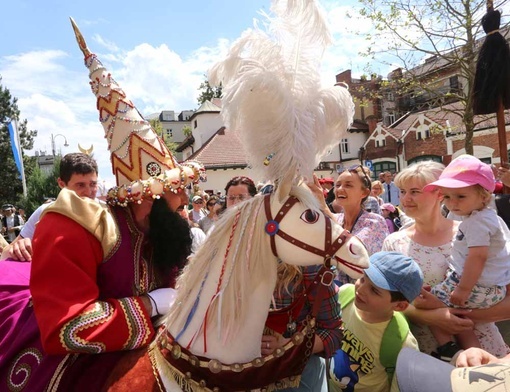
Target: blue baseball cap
394	271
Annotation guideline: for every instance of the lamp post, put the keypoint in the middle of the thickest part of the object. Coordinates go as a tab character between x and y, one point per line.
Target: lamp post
53	142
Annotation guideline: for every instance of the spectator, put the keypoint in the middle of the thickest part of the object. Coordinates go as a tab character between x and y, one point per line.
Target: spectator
239	189
352	188
428	240
369	307
391	192
212	206
78	172
480	262
377	191
390	214
11	223
197	213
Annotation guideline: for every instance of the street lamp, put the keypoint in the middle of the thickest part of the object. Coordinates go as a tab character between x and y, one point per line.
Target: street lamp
53	142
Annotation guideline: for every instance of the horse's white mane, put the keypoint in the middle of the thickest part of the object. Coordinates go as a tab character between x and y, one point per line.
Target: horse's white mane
248	262
272	93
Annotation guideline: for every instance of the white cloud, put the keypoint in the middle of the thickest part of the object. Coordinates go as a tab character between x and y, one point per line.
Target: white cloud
56	98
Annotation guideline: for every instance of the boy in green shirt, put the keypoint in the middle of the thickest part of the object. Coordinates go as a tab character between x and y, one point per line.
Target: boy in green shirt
374	329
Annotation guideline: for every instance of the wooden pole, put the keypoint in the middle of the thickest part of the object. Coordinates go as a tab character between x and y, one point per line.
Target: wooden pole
503	151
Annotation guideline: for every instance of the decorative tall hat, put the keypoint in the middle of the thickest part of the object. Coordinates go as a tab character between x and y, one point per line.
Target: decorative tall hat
143	165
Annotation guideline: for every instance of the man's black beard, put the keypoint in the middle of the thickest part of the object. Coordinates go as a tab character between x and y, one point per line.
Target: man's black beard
170	236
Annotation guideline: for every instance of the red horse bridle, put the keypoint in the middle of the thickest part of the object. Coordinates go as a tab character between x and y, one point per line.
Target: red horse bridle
330	247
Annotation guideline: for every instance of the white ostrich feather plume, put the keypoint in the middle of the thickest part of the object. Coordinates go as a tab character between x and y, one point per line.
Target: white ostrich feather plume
272	93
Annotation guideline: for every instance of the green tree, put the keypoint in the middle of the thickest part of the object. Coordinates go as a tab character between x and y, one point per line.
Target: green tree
11	190
160	131
186	130
208	92
41	186
445	32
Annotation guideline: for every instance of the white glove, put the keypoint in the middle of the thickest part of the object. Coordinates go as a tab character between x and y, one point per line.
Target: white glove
161	300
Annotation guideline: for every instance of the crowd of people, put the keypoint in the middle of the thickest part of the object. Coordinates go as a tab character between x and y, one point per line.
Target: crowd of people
436	284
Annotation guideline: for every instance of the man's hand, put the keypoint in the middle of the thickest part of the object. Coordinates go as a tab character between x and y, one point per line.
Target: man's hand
20	249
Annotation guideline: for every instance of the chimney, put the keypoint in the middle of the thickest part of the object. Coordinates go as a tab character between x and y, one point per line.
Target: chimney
344	77
372	123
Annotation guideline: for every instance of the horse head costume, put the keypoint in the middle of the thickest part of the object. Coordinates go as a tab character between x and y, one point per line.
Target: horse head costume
210	339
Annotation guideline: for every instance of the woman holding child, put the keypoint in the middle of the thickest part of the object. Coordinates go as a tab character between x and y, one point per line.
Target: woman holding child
429	242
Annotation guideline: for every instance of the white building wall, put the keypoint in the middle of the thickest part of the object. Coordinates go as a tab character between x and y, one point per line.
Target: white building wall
204	126
217	179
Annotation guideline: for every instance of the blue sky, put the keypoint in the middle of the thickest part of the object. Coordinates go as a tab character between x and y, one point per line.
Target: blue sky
157	50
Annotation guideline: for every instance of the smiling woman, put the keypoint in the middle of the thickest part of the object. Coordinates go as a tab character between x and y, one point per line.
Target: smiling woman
352	188
429	242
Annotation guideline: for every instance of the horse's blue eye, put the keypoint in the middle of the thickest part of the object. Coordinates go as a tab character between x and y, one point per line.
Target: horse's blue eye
310	216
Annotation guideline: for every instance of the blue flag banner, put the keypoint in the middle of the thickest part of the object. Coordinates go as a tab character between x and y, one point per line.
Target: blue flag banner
16	149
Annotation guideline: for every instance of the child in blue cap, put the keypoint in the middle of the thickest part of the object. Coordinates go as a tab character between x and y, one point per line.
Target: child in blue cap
374	329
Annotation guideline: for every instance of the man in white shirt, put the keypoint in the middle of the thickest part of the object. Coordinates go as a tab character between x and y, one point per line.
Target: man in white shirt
78	172
391	192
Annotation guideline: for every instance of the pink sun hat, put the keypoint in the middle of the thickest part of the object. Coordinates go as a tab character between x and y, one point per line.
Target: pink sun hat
466	170
388	206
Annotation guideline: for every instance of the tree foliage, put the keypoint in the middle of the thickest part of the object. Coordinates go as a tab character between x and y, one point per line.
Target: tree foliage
11	189
186	130
41	186
446	32
208	92
160	131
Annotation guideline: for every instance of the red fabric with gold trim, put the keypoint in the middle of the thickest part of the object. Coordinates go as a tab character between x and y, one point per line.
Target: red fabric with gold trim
66	295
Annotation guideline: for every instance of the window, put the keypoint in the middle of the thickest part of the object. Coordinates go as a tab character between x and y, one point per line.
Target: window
380	167
169	133
380	143
425	134
344	144
391	118
195	124
390	96
454	83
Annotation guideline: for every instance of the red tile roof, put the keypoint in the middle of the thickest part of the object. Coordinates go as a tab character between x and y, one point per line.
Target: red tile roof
223	150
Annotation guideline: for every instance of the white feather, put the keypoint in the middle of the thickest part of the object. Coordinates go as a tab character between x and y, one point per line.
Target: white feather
272	92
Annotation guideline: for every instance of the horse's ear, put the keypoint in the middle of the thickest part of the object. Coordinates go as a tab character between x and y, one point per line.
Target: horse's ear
284	186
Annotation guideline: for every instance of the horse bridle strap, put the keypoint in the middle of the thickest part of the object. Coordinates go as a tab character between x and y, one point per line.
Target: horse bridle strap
273	229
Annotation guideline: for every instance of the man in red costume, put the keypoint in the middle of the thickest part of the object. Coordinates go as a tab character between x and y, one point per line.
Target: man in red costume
99	273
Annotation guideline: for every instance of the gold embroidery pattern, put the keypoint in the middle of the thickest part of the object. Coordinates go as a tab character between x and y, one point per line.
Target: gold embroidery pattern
139	331
69	334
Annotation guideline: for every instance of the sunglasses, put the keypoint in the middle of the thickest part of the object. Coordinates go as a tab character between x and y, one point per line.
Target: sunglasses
199	202
367	180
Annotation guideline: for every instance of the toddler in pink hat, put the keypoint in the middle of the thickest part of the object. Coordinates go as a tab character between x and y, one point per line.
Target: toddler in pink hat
479	266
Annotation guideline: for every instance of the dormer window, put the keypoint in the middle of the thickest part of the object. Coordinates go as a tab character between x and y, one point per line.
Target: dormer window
380	142
424	134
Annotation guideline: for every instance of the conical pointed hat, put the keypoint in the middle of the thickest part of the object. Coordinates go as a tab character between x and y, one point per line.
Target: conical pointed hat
141	162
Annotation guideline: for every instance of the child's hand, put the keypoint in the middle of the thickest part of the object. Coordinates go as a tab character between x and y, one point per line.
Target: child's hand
460	296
